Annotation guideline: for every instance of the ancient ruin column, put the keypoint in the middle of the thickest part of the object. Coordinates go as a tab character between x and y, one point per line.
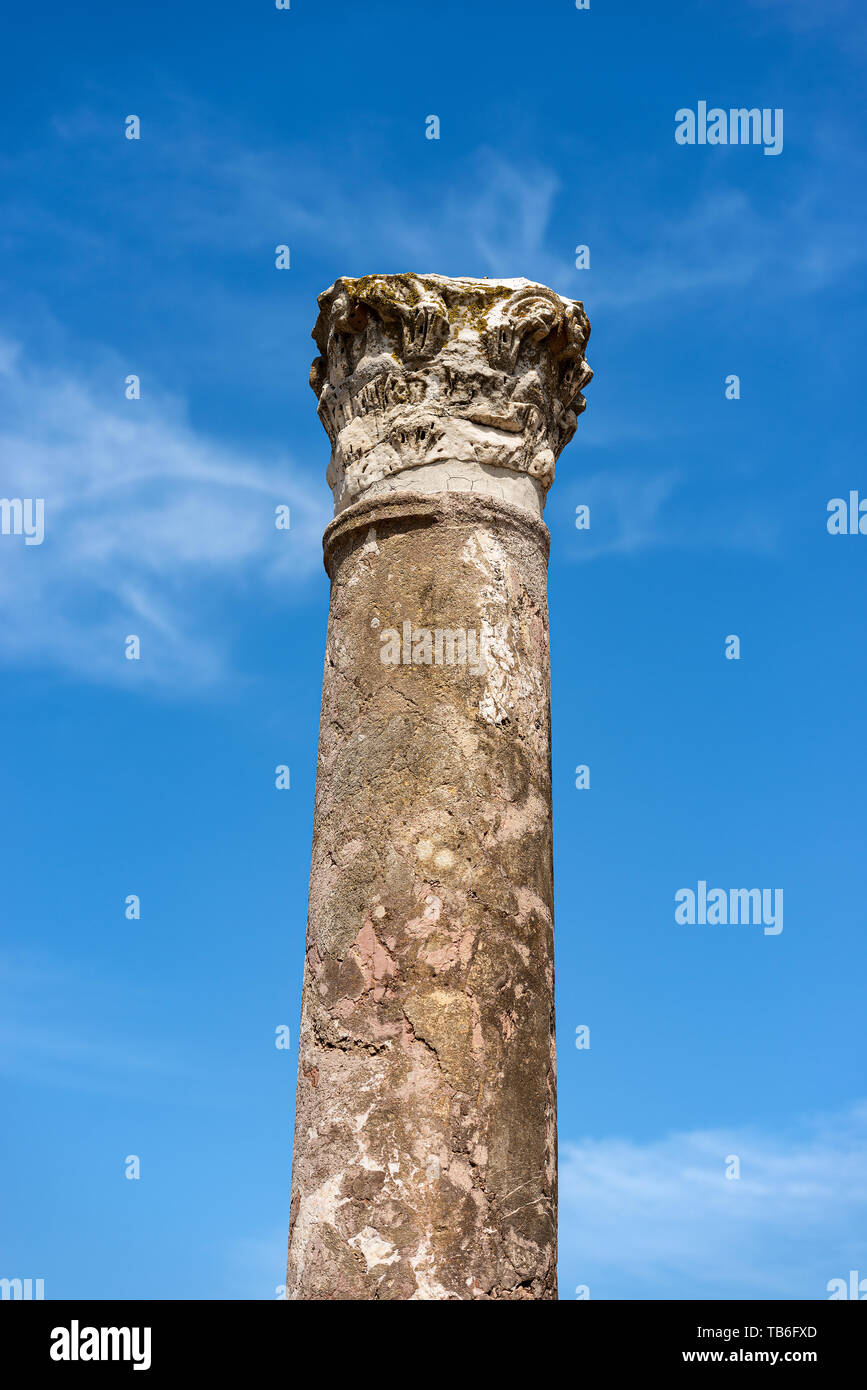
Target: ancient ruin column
425	1162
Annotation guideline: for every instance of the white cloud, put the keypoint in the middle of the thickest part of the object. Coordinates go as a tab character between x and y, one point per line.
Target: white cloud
499	217
625	507
661	1220
495	215
634	510
147	524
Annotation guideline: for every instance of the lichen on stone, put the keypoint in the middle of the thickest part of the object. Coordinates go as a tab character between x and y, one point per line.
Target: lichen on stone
486	373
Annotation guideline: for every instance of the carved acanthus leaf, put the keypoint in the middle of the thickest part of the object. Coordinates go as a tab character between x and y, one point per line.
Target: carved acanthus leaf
423	370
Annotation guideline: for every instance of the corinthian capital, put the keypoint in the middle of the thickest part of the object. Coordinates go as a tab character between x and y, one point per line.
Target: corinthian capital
437	384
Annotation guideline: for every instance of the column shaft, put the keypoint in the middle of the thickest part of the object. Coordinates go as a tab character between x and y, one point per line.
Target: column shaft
425	1146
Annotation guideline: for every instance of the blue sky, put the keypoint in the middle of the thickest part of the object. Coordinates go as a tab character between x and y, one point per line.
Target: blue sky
156	257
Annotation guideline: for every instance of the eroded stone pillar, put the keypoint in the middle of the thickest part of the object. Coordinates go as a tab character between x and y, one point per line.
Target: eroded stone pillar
425	1159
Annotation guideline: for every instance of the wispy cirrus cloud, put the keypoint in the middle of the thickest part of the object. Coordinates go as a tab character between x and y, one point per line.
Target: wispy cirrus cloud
147	517
219	190
661	1220
148	523
635	510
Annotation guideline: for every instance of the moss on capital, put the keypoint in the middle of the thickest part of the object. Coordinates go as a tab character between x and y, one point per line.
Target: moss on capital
468	302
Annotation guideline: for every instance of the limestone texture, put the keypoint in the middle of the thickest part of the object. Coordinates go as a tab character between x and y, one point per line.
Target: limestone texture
473	384
425	1162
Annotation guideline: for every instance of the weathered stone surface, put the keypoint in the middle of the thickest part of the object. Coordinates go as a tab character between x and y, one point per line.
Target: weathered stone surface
421	371
425	1143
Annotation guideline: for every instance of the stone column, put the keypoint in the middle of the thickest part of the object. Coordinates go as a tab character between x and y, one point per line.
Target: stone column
425	1163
